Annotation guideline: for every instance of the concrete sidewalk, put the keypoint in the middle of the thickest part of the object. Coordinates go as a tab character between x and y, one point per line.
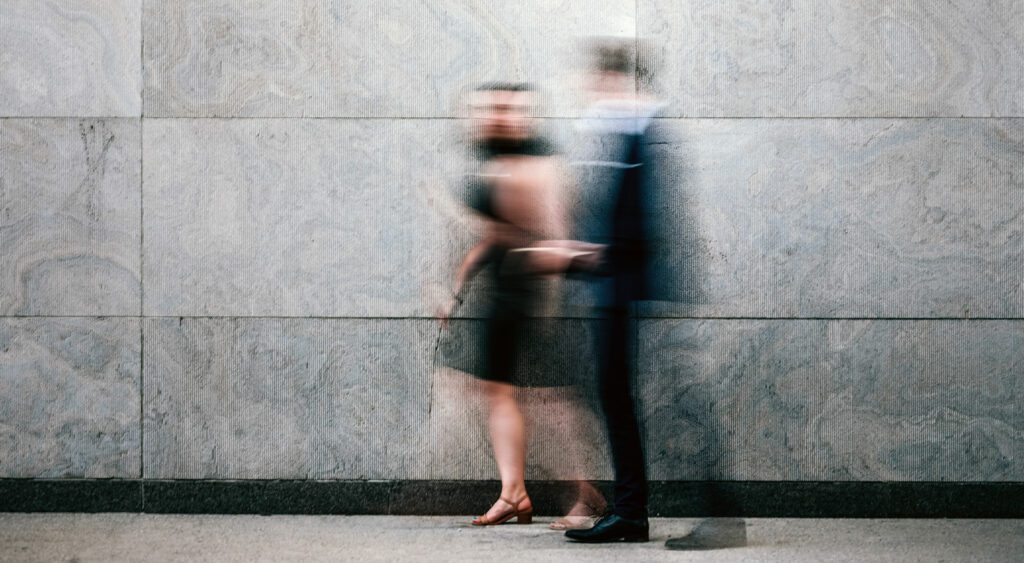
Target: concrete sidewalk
150	537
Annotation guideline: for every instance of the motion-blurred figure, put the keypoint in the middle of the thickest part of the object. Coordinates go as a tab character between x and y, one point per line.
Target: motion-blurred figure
622	222
630	218
517	192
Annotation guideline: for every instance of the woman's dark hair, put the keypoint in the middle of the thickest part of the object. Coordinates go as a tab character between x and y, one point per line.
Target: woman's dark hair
536	145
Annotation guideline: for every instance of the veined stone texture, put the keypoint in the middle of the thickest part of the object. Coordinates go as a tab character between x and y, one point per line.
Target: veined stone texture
75	58
317	217
804	58
287	398
69	398
847	218
342	399
69	217
390	58
942	398
298	218
719	399
832	399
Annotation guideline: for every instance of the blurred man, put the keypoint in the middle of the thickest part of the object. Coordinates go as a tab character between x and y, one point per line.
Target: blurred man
621	221
629	220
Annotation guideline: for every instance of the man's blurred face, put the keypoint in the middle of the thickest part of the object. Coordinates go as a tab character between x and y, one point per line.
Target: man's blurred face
502	115
604	84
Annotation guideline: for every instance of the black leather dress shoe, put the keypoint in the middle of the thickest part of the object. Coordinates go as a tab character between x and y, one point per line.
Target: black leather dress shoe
612	528
713	533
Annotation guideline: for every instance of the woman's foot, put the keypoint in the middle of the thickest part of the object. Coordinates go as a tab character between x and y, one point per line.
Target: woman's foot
580	517
571	522
504	510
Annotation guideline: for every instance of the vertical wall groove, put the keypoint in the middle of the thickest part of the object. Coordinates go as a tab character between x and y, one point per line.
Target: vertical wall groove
142	243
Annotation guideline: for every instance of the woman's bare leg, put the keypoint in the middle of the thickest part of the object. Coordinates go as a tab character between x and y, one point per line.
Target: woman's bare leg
508	437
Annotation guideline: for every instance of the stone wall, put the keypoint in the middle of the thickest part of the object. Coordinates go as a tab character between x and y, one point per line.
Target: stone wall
225	225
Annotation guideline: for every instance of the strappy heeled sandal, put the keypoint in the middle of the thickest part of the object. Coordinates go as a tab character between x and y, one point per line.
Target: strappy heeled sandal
521	516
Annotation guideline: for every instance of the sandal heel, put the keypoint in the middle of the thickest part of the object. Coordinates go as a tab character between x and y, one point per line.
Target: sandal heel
522	517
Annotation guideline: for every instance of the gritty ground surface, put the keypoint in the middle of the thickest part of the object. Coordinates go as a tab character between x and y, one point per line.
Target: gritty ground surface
150	537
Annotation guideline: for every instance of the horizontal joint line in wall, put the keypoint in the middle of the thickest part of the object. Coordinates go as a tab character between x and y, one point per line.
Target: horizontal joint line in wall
424	318
550	117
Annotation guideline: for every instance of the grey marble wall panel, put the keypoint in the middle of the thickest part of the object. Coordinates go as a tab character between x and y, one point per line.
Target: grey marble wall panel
352	399
287	398
70	58
871	58
69	216
763	218
844	218
935	400
734	399
393	58
69	398
300	217
832	400
378	203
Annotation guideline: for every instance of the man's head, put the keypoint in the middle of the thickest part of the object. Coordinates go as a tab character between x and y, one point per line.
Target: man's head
612	71
502	112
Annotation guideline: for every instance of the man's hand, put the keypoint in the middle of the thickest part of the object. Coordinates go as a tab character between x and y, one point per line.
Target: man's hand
571	255
587	262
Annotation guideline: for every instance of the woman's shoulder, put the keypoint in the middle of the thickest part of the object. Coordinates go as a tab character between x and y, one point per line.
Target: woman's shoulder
478	194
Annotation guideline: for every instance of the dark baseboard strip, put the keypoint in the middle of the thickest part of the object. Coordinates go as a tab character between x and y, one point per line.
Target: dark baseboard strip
799	499
70	495
839	499
268	497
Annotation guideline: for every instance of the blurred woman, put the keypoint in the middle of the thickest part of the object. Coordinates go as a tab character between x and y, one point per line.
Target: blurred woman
517	192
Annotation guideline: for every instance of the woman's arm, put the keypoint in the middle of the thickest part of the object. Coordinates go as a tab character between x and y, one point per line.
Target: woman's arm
471	264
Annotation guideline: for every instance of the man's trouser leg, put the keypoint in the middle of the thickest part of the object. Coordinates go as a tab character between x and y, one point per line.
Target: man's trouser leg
620	416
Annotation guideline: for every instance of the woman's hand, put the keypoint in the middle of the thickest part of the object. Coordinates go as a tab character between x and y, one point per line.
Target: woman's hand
444	311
